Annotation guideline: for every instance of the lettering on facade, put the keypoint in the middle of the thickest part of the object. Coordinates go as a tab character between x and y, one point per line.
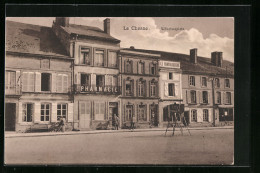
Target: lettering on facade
106	89
169	64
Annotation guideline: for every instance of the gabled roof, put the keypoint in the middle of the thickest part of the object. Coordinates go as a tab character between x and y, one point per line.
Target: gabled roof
203	66
89	31
27	38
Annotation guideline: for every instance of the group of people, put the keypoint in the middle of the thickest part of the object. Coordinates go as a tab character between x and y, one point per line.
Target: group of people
116	122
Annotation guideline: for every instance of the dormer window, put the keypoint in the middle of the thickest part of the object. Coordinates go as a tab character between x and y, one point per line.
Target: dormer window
84	56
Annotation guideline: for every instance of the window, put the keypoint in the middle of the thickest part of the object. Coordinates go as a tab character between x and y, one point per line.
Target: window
141	86
192	80
84	56
28	82
204	96
128	68
61	111
27	114
128	88
171	88
228	98
45	63
45	112
140	67
153	69
100	80
85	79
45	82
218	97
193	96
194	115
205	115
128	112
62	83
109	80
9	82
170	76
227	83
99	111
153	89
204	82
141	113
217	83
99	57
112	59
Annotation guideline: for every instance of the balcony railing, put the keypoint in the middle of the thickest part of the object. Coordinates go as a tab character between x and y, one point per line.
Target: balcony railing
12	90
108	89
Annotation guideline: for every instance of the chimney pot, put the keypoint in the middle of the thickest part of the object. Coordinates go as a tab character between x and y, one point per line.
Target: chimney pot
217	58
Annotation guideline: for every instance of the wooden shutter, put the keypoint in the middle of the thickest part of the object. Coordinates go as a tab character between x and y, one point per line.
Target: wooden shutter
59	83
54	112
25	81
65	83
232	98
209	97
53	82
216	97
200	96
176	89
37	112
18	81
37	82
224	98
93	80
123	87
20	112
188	96
166	90
70	112
210	118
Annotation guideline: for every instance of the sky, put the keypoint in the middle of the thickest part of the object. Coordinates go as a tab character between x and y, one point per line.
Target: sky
207	34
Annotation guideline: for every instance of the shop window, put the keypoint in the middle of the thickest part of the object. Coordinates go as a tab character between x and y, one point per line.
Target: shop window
227	83
192	80
129	112
112	59
193	96
28	81
204	82
141	88
205	97
140	67
85	79
153	89
27	114
228	98
205	115
171	88
99	58
218	95
45	82
217	83
61	111
45	112
142	116
84	56
194	115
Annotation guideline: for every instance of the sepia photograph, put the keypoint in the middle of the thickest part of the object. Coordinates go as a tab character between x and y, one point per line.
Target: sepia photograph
119	91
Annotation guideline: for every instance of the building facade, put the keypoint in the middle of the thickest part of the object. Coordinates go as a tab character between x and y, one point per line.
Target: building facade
170	88
139	76
38	78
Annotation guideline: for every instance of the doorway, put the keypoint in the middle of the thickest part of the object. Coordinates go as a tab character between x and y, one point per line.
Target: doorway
154	115
113	110
10	116
186	117
84	115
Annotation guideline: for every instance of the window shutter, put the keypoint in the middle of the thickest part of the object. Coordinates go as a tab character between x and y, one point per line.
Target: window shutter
78	78
176	89
125	66
106	80
150	66
114	83
166	92
123	87
137	92
232	98
145	89
91	56
209	97
37	112
105	58
37	82
224	98
70	112
25	81
53	82
210	115
18	81
188	96
149	90
59	83
215	97
134	111
200	96
65	83
137	112
93	80
20	112
54	112
157	89
132	87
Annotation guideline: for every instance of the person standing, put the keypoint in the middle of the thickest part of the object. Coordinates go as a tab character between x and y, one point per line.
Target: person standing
117	121
62	125
133	121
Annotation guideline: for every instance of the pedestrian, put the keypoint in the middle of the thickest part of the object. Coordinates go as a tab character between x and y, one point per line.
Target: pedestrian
117	121
62	125
133	120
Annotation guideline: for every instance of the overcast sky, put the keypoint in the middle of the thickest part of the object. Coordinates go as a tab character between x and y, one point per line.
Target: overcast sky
206	34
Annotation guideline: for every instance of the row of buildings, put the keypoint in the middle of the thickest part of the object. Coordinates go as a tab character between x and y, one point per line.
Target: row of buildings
82	74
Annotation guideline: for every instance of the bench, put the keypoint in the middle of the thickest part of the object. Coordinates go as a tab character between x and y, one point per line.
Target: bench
39	128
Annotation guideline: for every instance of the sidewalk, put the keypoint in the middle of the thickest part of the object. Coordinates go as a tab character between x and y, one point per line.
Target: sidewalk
15	134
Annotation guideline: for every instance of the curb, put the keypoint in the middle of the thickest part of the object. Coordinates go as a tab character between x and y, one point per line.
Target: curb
13	135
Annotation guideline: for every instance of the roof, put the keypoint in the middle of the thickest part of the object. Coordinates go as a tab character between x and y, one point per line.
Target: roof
203	66
89	31
130	52
27	38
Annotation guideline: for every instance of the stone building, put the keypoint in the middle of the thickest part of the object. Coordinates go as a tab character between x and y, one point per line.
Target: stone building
38	78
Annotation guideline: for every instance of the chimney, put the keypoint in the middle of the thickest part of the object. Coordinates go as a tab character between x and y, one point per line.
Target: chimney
107	26
132	47
62	21
193	56
217	58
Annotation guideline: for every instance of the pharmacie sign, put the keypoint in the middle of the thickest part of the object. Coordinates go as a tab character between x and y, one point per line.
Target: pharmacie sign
105	89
